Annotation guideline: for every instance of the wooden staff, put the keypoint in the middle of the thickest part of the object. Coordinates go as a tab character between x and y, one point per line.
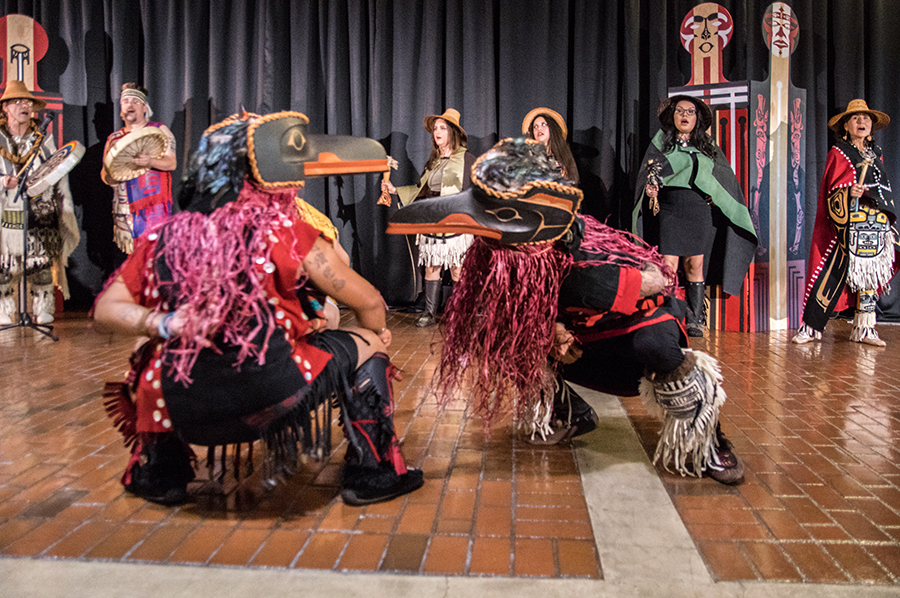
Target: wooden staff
862	176
865	169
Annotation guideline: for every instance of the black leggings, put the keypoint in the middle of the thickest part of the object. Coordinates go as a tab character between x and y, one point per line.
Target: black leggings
616	365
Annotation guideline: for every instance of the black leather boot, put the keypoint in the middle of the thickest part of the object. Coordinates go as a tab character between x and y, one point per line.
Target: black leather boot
160	469
695	292
446	293
375	470
432	298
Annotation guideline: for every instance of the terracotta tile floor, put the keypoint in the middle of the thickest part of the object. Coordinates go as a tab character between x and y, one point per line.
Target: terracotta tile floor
490	506
817	426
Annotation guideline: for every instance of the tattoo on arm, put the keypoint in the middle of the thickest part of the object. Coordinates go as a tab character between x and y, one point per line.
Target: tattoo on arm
320	261
319	258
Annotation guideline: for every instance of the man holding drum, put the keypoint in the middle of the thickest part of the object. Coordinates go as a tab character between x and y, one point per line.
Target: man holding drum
138	161
52	226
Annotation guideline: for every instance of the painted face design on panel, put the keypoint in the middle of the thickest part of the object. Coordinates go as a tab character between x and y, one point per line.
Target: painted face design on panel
781	30
706	29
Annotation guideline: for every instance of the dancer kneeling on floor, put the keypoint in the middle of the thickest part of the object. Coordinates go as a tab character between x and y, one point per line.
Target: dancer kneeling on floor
230	293
550	287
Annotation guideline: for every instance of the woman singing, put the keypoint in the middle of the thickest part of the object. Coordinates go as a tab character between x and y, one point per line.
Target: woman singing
855	236
447	171
692	202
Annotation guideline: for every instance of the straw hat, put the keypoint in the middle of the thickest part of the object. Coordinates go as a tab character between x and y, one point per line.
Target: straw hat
879	119
704	112
16	90
529	118
450	115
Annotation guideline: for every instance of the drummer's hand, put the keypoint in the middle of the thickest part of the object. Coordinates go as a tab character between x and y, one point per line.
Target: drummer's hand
142	160
652	191
387	186
10	181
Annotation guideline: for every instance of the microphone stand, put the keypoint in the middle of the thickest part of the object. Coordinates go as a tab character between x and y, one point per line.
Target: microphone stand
25	320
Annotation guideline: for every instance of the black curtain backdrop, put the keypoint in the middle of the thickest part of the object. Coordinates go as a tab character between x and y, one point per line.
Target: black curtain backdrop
376	68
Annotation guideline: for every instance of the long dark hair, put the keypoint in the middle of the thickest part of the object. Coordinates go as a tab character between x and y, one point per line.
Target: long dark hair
457	140
558	147
699	138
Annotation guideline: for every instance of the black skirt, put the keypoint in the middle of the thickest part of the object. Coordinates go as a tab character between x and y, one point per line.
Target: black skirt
685	222
227	405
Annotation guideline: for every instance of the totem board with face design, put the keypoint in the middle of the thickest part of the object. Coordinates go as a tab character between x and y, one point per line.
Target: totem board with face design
778	176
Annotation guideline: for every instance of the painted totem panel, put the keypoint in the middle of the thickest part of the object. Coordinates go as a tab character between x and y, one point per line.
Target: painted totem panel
778	177
705	31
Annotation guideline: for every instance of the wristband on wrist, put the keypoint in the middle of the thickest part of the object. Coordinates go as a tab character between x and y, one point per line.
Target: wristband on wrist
163	327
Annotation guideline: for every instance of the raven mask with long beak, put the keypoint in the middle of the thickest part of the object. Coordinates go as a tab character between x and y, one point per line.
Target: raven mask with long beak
516	198
275	153
244	177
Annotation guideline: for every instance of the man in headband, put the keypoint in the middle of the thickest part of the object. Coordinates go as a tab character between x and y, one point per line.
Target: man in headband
145	199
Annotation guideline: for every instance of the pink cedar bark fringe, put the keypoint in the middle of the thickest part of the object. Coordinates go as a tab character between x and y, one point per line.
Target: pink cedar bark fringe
216	262
623	249
498	327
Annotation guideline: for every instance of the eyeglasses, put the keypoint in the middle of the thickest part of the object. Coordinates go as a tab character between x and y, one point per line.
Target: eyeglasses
689	111
23	102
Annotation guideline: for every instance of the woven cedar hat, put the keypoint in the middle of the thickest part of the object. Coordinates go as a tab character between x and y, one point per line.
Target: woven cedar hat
704	112
16	90
879	119
529	118
451	116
